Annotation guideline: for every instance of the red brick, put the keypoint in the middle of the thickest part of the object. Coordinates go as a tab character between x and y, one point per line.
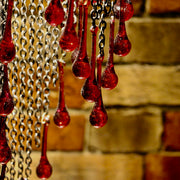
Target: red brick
163	6
164	166
171	135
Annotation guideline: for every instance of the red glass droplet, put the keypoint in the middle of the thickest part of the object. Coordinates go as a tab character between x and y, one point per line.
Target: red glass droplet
61	117
5	152
98	117
6	100
122	45
90	91
127	9
44	169
76	51
3	171
109	78
7	48
54	13
69	40
80	66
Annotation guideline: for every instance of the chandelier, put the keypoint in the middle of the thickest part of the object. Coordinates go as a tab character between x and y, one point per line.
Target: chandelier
50	35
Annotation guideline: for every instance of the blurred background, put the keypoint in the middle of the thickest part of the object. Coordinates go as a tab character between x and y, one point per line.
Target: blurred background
141	140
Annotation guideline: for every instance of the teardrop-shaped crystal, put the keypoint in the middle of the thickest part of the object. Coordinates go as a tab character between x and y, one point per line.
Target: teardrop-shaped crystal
80	67
54	13
44	169
7	48
109	78
6	100
127	9
61	117
68	39
122	45
5	152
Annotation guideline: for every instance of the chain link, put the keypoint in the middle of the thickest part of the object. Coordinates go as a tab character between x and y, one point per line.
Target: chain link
39	62
22	74
14	89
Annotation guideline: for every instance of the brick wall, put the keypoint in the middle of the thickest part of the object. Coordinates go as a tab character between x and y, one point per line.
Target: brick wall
141	140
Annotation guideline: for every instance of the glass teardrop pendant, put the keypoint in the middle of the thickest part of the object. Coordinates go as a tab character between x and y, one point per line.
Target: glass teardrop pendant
54	13
98	117
68	39
90	91
76	51
7	48
44	169
109	78
80	67
61	117
122	45
127	9
5	152
6	100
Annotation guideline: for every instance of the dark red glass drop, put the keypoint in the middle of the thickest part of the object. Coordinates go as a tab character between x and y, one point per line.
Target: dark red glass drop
54	13
76	51
69	40
109	78
7	48
90	91
122	45
44	169
5	152
3	171
61	117
6	100
127	9
80	66
98	117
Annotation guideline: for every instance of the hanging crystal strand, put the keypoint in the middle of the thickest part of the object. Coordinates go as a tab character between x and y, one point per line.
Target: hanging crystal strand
98	116
90	91
22	76
109	77
122	45
30	86
14	89
39	63
44	169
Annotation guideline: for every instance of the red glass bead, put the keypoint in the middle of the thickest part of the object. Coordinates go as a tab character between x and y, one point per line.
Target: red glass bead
127	10
61	118
98	117
68	39
80	66
122	45
44	169
5	152
54	14
6	100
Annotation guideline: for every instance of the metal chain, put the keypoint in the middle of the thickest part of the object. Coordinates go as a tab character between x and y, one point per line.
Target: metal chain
14	89
30	84
22	65
102	27
47	68
55	56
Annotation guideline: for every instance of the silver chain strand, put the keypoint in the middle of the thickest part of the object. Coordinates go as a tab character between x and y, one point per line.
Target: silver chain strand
47	67
55	56
22	64
14	89
39	62
30	84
